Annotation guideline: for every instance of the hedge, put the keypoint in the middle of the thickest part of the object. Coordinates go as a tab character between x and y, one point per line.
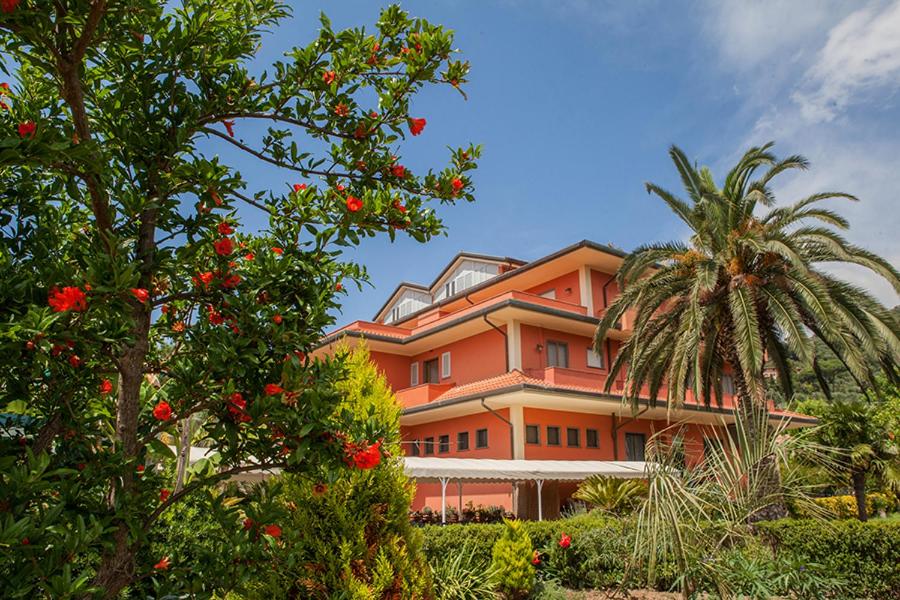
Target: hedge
844	507
600	546
865	555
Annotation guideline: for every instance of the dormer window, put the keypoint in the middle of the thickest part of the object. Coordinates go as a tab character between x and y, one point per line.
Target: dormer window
450	288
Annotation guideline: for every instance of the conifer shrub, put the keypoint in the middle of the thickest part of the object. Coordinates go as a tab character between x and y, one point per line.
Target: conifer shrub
350	537
513	572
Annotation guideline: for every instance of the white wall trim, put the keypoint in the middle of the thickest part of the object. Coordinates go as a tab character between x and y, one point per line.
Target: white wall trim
514	345
517	418
587	293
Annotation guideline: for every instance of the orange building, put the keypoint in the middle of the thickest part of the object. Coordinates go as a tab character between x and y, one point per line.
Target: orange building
494	359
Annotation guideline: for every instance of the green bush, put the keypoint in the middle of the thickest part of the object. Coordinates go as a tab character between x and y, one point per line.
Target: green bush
844	507
511	565
864	555
350	538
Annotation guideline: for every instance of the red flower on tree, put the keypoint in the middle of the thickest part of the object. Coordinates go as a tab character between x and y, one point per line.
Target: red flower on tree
106	387
364	455
75	361
457	185
231	281
565	541
277	250
416	126
229	127
536	558
237	406
204	278
273	389
164	494
162	411
162	565
141	294
225	228
272	530
224	246
328	77
249	256
278	319
69	298
354	203
299	187
27	129
248	523
398	171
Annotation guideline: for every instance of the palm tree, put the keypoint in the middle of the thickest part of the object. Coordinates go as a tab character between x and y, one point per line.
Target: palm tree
865	433
746	287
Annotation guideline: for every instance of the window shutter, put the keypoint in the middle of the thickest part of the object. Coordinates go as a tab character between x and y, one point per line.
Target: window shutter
414	374
445	365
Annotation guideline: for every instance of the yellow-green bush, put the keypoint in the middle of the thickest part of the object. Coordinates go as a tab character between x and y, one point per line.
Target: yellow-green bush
511	564
844	507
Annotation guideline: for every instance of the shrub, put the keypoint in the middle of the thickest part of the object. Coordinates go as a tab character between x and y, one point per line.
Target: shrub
461	576
511	565
844	507
611	495
351	537
865	555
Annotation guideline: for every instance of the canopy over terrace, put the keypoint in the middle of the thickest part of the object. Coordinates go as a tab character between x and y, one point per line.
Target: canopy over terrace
444	470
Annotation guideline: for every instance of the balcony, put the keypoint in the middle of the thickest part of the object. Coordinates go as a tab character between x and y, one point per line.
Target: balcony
421	394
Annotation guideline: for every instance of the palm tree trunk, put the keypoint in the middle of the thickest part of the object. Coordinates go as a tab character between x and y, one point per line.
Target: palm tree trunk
753	412
859	490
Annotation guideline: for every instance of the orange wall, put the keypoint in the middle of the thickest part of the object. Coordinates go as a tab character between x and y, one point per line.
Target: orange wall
578	345
568	281
561	419
471	359
479	494
394	367
598	280
499	445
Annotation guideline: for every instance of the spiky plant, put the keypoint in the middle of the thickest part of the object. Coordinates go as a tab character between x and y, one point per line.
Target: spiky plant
691	516
608	494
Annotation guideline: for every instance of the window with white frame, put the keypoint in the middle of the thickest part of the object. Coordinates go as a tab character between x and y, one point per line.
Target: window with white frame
445	365
594	360
414	374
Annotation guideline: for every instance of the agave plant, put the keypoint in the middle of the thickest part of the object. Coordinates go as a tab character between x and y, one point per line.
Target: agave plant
690	516
461	576
615	496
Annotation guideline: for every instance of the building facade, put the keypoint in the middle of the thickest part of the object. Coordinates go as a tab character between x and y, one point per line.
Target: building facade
494	359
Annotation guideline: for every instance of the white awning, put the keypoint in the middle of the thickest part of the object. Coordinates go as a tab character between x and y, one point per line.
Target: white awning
487	469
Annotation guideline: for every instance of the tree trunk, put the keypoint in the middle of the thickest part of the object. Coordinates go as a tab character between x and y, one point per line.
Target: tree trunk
117	568
859	490
184	453
753	411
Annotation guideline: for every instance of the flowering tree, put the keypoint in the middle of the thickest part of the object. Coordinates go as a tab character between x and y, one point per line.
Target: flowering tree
131	297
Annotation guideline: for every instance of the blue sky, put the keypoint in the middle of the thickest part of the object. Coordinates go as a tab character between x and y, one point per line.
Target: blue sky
576	102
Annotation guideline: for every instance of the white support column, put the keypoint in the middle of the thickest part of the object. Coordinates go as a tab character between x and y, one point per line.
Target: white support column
444	482
540	488
459	506
587	292
517	418
514	345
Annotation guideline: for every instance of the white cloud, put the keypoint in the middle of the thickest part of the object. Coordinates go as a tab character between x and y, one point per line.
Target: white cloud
798	68
861	56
